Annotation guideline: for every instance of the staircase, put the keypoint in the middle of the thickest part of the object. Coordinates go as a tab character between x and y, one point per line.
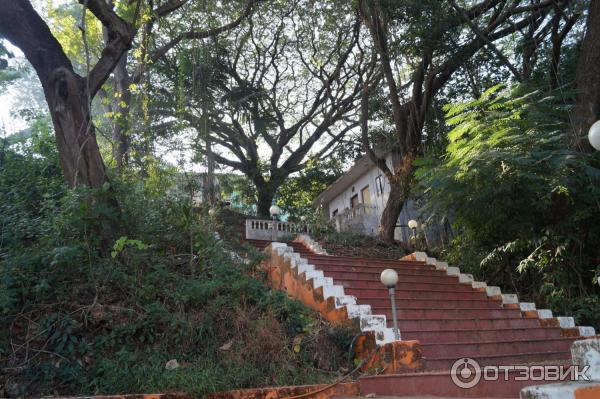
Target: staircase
451	320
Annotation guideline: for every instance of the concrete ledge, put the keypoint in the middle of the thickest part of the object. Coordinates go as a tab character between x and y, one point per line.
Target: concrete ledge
492	290
311	244
176	395
321	391
586	352
288	271
465	278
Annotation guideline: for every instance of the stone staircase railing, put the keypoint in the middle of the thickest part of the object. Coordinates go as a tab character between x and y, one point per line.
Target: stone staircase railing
273	230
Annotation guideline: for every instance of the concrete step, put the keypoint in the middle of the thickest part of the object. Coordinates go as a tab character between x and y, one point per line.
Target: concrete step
384	264
438	385
505	359
420	324
437	313
459	350
449	287
406	293
420	271
434	303
456	336
402	277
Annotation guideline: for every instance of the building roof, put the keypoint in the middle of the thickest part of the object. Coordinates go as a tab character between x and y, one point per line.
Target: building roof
361	167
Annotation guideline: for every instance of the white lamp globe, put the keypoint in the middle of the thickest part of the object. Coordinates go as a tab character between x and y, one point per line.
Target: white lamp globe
413	224
303	218
212	211
274	210
594	135
389	277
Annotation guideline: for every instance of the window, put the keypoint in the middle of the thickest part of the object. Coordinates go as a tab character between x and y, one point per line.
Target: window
334	213
354	201
366	195
379	185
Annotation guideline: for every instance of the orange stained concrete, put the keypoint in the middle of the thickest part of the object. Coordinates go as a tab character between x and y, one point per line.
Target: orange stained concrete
393	358
176	395
283	277
591	392
396	357
307	391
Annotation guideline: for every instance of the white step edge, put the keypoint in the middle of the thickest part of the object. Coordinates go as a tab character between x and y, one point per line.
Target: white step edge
441	266
492	290
373	322
510	299
544	314
358	311
586	331
527	306
566	322
345	300
333	291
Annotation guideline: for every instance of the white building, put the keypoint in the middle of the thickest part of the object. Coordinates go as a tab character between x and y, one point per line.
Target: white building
356	200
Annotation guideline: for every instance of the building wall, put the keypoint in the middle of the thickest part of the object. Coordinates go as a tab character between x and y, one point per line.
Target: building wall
378	201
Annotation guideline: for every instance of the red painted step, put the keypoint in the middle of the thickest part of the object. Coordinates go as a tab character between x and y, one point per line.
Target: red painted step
459	350
462	324
355	283
402	277
450	319
439	384
463	313
414	294
433	303
366	264
505	359
470	335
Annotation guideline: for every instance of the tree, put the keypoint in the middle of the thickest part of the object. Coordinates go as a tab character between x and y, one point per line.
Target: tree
68	94
432	42
288	93
587	107
152	47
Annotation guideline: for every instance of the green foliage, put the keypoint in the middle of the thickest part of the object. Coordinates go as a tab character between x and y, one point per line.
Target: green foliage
7	74
296	195
123	242
83	321
524	204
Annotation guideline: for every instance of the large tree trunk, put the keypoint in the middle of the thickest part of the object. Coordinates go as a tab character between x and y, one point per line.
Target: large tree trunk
587	108
266	193
69	104
68	95
400	186
391	212
121	119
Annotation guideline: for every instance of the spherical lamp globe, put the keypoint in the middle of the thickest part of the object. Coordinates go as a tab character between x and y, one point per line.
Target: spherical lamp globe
389	278
594	135
274	210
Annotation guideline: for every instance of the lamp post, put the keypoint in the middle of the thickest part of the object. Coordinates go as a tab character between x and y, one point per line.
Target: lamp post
412	225
274	210
389	278
594	135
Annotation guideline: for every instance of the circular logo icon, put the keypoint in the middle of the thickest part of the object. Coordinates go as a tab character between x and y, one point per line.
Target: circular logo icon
465	373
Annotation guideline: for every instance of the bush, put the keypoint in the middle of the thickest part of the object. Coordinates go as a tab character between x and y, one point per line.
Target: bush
84	319
524	204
